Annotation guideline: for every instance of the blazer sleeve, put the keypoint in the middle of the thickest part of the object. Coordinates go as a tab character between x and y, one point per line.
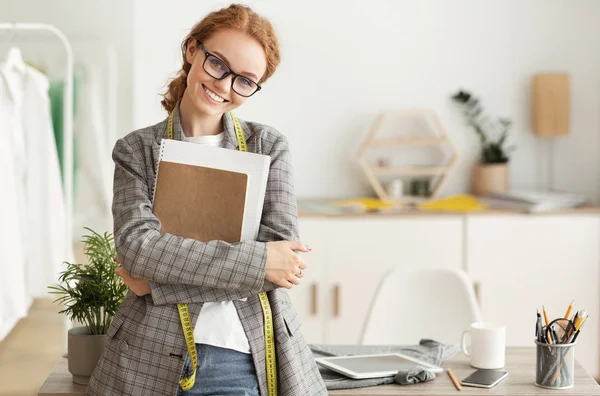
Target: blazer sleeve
145	253
279	222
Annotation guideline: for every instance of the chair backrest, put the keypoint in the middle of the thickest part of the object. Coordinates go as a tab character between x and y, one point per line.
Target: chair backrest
414	304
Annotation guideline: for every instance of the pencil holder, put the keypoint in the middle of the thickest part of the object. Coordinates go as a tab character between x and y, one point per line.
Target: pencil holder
555	365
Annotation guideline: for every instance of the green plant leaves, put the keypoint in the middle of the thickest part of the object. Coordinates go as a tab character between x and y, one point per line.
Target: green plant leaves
91	293
492	152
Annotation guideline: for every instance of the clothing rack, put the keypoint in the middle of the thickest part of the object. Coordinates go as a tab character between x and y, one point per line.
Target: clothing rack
68	121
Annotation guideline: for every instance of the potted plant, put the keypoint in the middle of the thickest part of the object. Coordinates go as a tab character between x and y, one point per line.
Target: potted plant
90	294
490	175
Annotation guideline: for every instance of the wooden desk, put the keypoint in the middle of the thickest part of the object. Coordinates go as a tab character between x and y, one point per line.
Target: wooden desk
520	364
60	382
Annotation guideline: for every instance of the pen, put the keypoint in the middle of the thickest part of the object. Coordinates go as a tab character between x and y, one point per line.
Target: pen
539	332
579	320
575	316
555	335
577	332
550	340
571	330
454	380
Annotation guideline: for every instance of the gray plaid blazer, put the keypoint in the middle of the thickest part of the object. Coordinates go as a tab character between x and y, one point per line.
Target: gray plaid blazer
145	349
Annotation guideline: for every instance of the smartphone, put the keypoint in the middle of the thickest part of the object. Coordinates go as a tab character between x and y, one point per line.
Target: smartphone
484	378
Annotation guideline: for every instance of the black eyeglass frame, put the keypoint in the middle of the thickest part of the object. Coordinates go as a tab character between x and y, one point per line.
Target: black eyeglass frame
234	74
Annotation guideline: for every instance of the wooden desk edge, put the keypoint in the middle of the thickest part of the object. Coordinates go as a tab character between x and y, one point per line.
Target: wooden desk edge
60	382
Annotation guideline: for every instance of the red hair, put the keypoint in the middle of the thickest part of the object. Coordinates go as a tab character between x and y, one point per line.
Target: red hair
238	17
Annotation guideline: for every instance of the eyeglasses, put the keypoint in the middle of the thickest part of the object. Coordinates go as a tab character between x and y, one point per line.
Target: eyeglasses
218	69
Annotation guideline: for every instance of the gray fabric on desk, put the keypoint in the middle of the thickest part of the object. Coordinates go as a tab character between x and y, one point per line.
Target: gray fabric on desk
429	351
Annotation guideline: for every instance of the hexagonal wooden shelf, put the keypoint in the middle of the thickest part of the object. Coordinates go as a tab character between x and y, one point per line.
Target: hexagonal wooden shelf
436	136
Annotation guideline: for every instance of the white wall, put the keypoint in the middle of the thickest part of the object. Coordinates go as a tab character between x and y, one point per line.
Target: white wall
97	25
417	54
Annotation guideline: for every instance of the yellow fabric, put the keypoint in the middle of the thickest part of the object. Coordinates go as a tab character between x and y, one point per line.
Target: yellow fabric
453	203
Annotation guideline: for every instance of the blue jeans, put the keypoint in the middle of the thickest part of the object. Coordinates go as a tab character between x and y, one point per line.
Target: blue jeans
221	371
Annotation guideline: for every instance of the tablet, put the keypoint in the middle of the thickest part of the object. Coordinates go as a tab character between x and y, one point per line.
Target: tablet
373	366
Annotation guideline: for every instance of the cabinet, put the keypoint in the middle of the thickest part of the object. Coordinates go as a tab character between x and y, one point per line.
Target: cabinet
518	261
349	258
308	298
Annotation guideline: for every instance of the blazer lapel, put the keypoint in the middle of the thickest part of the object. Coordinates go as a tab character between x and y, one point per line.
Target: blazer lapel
177	134
177	128
155	153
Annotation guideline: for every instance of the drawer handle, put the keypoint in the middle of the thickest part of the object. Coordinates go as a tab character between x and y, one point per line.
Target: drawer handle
336	300
314	293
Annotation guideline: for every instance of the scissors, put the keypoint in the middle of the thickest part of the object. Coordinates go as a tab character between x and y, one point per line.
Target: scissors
560	330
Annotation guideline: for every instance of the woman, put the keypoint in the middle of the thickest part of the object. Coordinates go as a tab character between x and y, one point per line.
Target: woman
226	58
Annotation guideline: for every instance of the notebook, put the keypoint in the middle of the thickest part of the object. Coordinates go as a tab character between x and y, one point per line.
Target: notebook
534	201
209	193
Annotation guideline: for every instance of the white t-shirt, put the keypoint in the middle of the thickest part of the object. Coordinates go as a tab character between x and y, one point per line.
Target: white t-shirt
219	323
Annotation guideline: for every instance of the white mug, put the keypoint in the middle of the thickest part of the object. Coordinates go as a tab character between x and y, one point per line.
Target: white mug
488	342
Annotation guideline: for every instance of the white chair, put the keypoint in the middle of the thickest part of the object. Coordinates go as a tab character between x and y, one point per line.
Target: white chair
413	304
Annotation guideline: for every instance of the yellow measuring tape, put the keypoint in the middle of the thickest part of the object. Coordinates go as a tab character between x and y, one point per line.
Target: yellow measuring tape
184	314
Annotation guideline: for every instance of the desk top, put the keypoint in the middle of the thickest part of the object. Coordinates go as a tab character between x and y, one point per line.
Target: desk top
520	364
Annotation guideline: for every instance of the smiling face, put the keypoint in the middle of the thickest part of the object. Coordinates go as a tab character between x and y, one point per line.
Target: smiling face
240	52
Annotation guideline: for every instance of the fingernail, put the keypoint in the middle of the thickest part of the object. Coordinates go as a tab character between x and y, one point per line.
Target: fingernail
309	248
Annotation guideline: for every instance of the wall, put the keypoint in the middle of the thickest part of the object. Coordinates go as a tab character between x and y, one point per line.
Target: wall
343	64
90	26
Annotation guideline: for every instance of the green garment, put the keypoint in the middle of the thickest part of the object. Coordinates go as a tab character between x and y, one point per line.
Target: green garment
56	92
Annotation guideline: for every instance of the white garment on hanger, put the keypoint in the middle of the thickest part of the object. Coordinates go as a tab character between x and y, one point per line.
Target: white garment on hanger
45	222
94	173
14	302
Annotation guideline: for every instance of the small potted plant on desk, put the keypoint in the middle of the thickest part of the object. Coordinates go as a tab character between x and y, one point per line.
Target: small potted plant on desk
490	175
91	294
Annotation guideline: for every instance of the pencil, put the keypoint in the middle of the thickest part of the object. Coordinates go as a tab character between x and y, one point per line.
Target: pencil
569	310
545	315
453	378
550	338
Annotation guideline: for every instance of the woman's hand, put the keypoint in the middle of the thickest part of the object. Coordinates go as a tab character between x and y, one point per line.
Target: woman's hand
284	266
140	287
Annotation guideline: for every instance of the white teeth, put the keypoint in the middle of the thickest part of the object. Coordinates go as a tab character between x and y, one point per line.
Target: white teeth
213	95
